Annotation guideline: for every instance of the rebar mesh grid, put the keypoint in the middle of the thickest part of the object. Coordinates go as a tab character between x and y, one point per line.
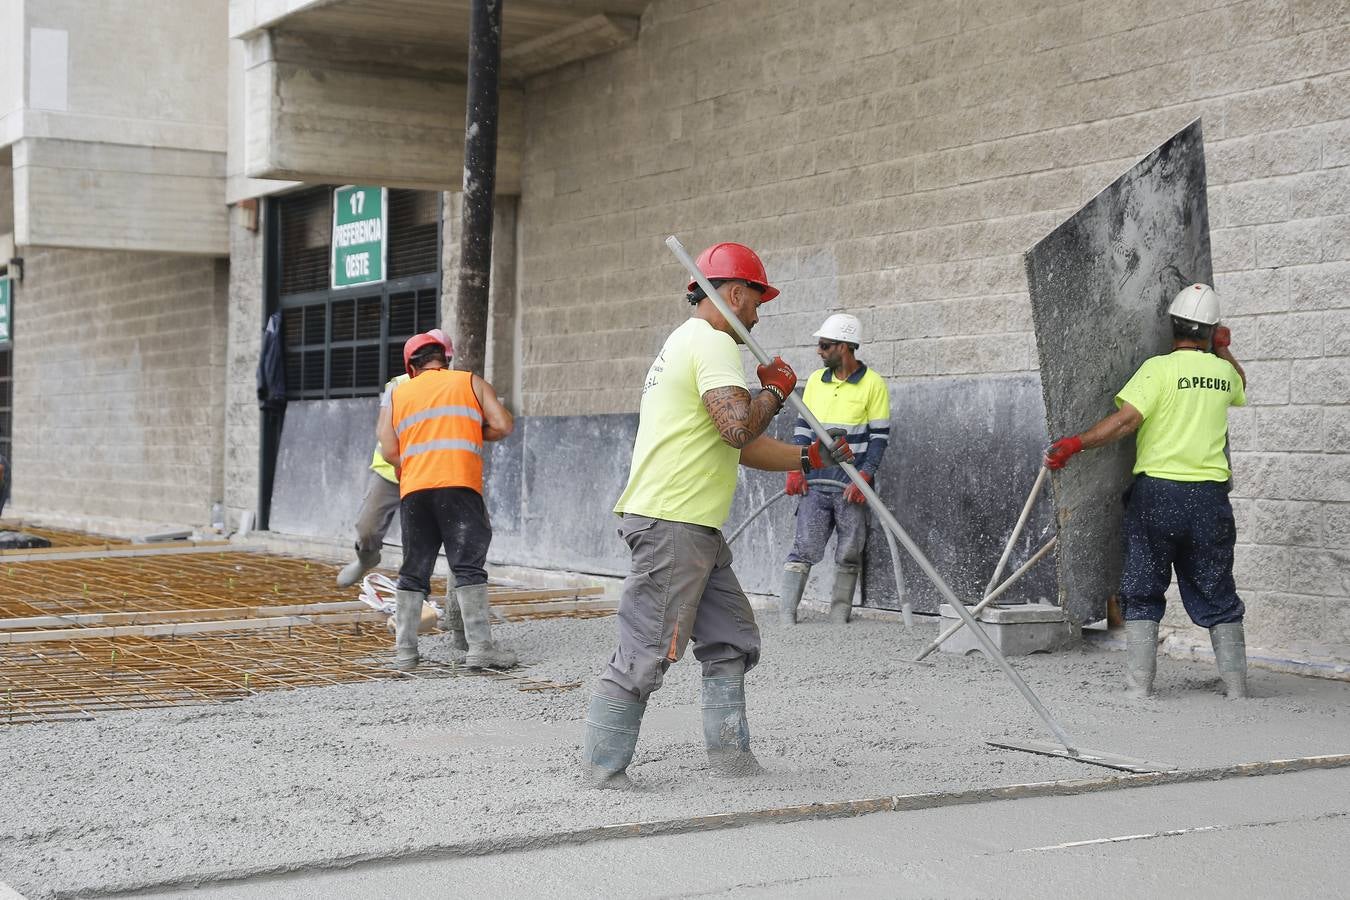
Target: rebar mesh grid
74	679
60	537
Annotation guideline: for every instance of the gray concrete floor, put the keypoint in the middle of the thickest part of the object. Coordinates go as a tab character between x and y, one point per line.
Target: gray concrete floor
1249	837
297	780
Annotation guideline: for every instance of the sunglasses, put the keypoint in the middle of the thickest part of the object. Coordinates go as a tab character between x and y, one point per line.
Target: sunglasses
826	345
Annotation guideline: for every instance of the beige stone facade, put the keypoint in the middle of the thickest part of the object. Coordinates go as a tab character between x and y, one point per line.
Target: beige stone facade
895	158
118	388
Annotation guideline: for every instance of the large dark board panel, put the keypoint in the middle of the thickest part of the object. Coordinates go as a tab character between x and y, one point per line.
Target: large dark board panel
1100	285
323	467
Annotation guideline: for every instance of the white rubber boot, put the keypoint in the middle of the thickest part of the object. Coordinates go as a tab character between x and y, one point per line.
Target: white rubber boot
841	598
1229	641
725	728
790	597
611	739
407	617
452	623
355	570
483	653
1141	656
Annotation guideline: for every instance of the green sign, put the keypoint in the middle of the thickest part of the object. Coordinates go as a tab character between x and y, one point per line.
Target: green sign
5	307
359	244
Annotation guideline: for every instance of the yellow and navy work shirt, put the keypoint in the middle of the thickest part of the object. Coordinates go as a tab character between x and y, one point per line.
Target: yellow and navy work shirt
860	405
439	424
1184	398
682	469
378	464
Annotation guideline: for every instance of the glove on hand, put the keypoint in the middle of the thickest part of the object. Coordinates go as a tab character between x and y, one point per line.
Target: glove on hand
777	377
1222	337
796	483
852	494
818	456
1058	453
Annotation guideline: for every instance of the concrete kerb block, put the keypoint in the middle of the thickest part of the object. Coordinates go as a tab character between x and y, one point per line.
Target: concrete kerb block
1015	631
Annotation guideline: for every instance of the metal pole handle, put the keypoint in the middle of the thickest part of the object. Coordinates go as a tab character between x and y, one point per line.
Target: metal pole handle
878	507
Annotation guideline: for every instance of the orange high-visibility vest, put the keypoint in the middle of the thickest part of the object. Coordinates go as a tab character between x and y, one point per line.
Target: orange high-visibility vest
439	424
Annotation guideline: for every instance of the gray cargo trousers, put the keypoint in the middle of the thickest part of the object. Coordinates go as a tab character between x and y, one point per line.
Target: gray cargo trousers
377	513
679	587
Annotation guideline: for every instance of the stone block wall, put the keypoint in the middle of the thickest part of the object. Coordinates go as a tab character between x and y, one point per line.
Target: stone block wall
119	368
893	158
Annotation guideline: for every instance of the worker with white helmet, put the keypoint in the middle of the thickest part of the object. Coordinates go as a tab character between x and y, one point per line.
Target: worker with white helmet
846	395
1177	514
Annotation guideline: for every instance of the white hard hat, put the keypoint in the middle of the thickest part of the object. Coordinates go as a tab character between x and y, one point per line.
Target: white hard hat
1197	303
841	327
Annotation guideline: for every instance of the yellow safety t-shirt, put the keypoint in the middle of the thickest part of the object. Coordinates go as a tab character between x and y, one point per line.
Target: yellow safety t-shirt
861	406
1184	399
378	464
682	471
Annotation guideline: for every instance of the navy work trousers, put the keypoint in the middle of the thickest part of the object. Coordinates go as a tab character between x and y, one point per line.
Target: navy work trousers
820	513
1186	525
451	517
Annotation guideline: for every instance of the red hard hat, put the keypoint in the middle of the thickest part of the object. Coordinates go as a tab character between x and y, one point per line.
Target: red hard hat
729	260
445	341
415	343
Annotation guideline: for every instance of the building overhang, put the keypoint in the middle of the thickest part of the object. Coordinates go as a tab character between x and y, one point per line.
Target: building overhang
373	91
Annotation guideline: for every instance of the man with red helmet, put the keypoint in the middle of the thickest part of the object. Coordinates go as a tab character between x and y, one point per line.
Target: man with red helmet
381	499
433	434
697	422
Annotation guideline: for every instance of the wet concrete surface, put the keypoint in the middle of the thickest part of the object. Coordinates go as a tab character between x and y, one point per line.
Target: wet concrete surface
372	772
1262	837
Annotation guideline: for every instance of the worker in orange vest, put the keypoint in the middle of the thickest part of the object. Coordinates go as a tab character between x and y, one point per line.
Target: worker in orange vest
434	434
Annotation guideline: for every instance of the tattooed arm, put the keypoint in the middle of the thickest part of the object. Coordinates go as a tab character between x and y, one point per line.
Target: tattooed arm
740	419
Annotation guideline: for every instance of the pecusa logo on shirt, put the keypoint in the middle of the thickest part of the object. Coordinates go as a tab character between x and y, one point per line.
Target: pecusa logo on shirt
1205	382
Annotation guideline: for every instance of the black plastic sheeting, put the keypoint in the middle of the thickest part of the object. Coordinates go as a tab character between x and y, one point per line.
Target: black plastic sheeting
1100	286
964	454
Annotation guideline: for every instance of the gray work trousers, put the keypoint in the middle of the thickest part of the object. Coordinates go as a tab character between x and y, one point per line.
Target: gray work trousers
377	513
820	513
679	587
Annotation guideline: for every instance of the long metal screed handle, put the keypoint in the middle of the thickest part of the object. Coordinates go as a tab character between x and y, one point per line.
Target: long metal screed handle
878	507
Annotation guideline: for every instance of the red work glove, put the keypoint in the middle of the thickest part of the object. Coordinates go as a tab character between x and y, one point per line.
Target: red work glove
818	456
778	377
852	494
1058	453
796	483
1222	337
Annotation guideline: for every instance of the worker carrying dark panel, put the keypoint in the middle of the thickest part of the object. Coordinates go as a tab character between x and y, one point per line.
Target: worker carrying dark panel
434	435
846	395
1177	514
697	422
